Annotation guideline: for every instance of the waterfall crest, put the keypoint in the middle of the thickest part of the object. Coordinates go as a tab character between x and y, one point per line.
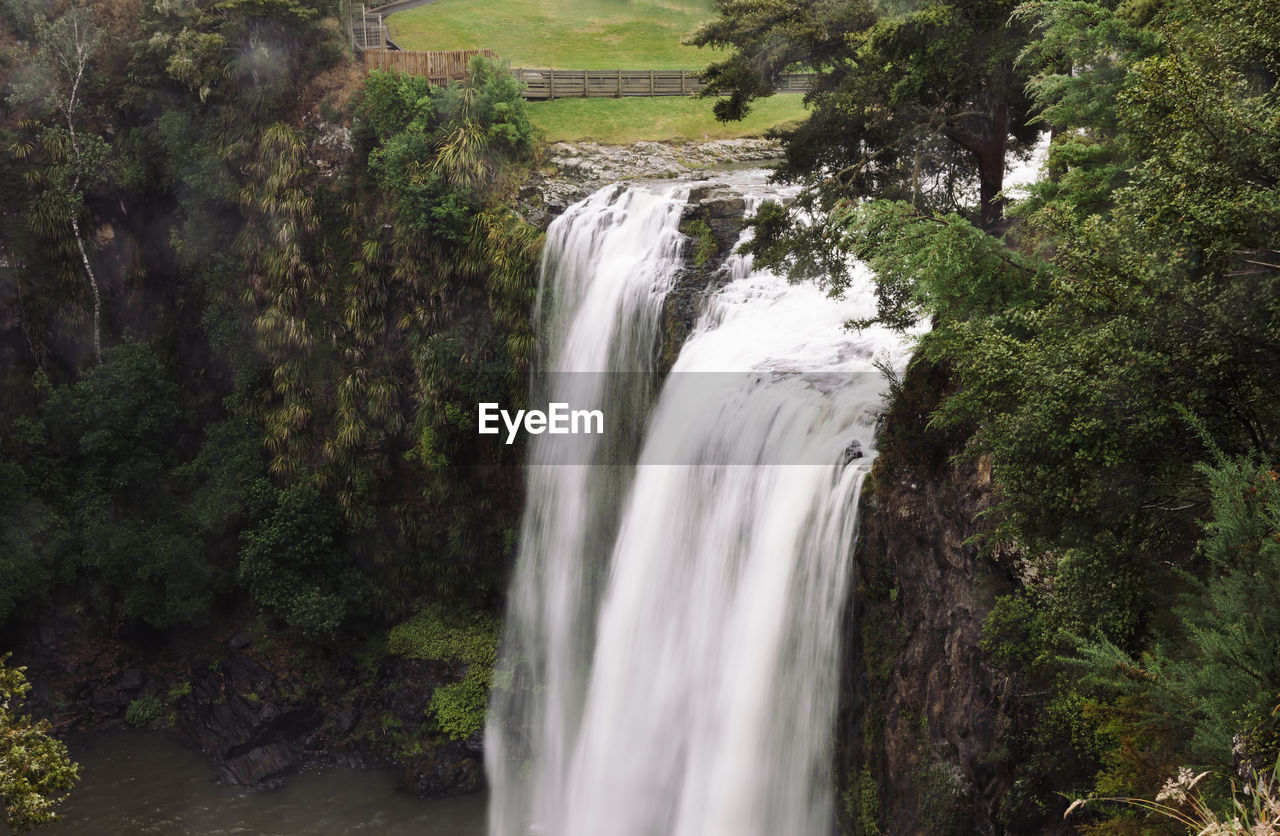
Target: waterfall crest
670	652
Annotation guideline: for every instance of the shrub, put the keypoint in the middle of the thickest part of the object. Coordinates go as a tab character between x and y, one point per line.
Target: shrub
292	564
459	707
142	711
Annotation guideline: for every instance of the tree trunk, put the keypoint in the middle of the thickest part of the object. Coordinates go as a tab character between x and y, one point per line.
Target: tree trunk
93	285
991	181
990	154
988	139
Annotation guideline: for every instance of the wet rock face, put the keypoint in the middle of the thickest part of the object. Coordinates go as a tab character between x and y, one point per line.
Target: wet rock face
713	221
721	210
448	769
329	146
921	710
245	717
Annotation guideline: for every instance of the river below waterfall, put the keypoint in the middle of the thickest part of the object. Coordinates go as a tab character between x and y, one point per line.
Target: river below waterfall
138	783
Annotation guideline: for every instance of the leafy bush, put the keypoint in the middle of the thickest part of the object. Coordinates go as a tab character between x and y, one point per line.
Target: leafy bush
292	563
35	770
437	148
459	707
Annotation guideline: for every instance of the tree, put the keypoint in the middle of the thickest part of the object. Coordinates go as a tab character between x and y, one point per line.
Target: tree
1138	283
116	448
36	773
66	45
1218	677
291	561
916	104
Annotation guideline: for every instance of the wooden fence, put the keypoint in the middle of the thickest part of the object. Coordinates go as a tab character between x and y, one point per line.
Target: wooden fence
581	84
440	67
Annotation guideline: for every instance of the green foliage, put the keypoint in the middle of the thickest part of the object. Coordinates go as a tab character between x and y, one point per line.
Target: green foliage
395	102
939	786
704	242
292	563
1059	743
1138	285
459	707
99	495
913	104
36	773
1073	369
142	711
25	519
862	803
112	445
179	691
938	267
270	330
1218	676
438	147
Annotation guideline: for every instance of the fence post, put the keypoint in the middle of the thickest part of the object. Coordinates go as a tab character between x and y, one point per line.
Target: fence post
551	86
682	91
650	83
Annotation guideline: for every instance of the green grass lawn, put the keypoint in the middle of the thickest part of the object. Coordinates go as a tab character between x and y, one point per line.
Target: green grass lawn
563	34
619	121
593	35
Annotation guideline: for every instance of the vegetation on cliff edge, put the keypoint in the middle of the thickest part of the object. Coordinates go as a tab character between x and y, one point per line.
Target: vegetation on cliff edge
247	296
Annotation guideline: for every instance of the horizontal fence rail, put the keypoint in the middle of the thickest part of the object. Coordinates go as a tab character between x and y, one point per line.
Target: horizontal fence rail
440	67
579	84
585	84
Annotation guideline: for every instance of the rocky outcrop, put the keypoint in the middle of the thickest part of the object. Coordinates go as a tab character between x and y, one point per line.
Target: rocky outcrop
261	705
575	170
921	709
713	220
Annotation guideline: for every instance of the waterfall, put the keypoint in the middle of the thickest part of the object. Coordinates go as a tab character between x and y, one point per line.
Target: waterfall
670	650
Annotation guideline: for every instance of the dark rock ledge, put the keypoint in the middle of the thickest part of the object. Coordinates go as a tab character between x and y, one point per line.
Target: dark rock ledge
260	704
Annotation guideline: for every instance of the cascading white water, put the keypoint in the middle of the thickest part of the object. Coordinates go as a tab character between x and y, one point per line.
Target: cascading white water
671	644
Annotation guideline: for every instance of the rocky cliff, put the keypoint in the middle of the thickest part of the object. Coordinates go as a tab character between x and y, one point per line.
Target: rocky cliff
921	715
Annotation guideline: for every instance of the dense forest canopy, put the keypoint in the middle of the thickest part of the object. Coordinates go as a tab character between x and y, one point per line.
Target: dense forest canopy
247	294
239	335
